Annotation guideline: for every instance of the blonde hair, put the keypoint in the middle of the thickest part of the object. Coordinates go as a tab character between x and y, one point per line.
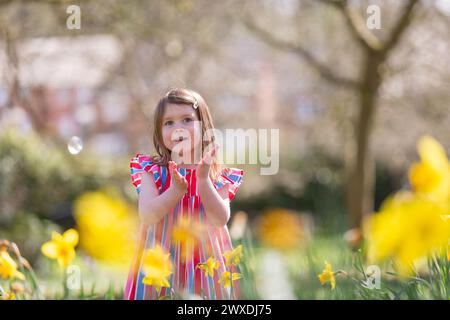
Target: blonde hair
194	99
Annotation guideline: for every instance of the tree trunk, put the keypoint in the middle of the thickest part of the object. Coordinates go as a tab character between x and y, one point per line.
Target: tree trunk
362	167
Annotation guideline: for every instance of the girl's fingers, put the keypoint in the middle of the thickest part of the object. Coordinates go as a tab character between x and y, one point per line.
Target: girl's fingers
209	155
206	158
214	150
175	174
209	159
172	170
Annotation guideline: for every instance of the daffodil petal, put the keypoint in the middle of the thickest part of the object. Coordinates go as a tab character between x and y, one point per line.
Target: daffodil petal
65	260
56	236
71	237
432	152
147	280
50	250
236	276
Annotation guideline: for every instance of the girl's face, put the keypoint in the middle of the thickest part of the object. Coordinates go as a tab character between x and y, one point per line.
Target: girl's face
181	129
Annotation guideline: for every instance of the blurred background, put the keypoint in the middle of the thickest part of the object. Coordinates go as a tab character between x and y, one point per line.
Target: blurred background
350	94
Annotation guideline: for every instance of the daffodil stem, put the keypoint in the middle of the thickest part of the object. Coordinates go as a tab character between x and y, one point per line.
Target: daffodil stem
442	274
65	288
34	283
231	284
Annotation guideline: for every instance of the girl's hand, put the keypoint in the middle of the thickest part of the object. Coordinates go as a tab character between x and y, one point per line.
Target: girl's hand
205	164
178	183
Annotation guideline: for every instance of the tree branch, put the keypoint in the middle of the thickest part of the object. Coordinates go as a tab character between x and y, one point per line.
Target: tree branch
357	25
401	26
278	43
15	97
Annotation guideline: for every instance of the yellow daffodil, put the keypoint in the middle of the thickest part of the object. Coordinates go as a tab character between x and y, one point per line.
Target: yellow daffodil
157	268
107	226
61	247
281	229
8	267
233	257
187	233
184	231
431	176
226	278
327	275
407	228
8	296
209	266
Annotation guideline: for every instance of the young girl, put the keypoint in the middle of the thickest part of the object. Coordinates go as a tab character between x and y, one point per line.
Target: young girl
184	207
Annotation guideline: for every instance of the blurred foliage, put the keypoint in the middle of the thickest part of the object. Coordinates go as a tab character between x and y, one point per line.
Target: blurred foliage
40	175
30	232
321	192
38	183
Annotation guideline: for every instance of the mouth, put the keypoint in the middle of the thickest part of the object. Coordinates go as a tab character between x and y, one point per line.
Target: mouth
179	139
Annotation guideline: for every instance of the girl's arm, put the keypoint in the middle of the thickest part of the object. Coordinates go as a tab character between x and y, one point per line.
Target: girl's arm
154	206
216	202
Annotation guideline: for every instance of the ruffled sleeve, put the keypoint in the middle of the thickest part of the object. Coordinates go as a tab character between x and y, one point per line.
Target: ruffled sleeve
231	176
138	165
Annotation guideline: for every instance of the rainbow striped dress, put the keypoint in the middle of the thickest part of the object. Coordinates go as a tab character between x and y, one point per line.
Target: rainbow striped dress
186	278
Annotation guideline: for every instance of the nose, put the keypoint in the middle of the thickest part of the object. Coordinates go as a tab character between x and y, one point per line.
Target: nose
179	130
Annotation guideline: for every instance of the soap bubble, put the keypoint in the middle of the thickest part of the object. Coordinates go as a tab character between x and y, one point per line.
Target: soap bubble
75	145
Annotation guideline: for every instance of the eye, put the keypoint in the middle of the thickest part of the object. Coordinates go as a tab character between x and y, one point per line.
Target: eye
187	120
168	123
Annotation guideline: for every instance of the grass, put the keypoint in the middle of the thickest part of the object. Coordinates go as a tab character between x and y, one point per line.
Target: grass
304	264
300	268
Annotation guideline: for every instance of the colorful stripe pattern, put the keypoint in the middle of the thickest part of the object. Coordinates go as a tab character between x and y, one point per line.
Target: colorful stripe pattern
186	278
